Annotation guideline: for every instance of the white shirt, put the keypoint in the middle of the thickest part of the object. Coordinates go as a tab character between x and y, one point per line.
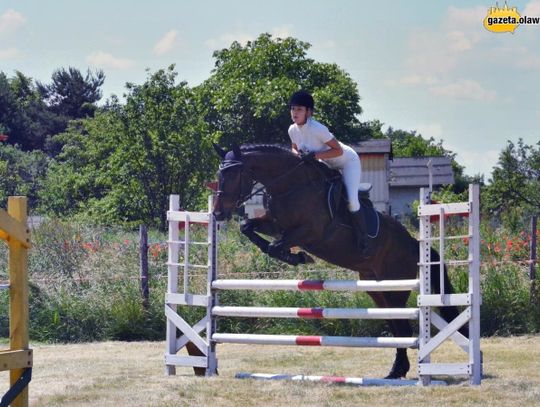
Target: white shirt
313	136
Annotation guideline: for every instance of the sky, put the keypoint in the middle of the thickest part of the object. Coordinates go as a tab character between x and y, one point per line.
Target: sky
428	66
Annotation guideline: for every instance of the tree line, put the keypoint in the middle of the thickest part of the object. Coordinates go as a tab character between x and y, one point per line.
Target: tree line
118	161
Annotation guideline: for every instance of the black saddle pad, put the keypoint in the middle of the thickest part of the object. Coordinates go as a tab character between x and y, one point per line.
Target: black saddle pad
338	204
372	220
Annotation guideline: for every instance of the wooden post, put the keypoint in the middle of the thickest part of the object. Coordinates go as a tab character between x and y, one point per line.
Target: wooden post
18	303
143	251
532	265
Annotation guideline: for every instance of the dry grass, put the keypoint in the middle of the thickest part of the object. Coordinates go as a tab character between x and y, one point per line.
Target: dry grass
132	374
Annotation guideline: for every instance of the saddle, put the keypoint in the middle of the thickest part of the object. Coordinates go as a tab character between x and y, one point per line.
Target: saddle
337	201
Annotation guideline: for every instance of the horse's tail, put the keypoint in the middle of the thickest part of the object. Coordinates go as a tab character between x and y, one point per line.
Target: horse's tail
451	312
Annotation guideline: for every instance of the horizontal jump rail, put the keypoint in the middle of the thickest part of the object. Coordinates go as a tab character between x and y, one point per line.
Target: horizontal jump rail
446	209
317	313
345	341
354	381
191	217
317	285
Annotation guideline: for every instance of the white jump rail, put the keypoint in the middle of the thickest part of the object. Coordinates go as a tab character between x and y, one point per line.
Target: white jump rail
317	313
317	285
353	381
426	302
298	340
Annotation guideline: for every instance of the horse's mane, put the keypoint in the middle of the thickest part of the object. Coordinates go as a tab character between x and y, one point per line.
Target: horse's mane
267	148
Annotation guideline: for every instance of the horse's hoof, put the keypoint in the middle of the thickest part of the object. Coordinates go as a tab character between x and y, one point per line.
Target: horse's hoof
305	258
273	251
395	376
199	371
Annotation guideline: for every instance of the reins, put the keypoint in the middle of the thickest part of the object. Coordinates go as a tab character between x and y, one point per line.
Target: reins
235	163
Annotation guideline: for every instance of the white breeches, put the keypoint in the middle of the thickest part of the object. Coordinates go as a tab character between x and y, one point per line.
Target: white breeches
352	171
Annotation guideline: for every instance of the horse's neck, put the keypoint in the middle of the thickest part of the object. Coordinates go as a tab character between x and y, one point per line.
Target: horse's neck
278	175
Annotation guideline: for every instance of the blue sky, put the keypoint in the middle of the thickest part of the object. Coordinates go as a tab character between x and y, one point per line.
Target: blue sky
419	65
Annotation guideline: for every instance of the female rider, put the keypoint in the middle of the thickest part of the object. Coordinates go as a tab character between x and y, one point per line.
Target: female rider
312	140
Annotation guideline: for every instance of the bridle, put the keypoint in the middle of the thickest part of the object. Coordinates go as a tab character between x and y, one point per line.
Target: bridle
243	197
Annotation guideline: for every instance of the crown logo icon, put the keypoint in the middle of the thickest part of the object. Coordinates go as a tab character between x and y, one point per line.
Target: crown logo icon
502	19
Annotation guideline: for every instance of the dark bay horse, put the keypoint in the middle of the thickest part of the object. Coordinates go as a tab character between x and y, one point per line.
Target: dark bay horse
299	216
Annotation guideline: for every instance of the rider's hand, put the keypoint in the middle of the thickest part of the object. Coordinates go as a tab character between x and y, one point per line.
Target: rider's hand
308	157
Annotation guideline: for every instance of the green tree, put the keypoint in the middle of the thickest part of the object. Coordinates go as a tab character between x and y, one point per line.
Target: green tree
245	99
72	95
12	120
21	173
122	165
24	116
514	188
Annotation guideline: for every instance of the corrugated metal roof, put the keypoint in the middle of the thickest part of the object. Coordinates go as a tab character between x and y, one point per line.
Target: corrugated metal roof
412	171
373	146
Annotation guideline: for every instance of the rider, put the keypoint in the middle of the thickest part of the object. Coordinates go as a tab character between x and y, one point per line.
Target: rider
312	141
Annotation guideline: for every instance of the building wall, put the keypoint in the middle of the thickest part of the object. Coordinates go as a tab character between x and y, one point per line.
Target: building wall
375	171
401	200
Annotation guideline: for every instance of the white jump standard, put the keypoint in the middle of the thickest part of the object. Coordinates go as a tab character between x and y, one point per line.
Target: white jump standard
427	302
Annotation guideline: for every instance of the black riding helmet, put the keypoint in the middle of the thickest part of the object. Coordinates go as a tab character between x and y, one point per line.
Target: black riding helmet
302	98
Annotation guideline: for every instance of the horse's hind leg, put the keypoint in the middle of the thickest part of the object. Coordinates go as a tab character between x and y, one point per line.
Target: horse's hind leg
398	327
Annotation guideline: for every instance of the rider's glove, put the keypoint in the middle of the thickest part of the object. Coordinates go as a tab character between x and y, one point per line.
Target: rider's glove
307	157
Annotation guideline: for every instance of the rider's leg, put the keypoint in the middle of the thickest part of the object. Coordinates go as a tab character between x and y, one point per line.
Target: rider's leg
351	178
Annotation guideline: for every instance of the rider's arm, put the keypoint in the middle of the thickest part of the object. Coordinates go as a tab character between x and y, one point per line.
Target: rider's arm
335	150
295	149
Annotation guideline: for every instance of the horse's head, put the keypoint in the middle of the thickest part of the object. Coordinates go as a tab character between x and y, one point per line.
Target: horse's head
235	183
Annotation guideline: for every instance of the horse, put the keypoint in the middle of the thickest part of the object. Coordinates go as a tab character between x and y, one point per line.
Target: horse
298	215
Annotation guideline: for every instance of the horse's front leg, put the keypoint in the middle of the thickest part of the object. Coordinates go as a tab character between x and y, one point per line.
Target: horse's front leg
289	239
264	225
252	227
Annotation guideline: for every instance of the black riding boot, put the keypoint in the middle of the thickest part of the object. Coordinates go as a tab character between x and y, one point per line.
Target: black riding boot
365	243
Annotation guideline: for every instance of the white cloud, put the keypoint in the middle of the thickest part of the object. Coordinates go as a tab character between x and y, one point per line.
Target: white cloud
282	31
464	90
532	9
166	43
458	41
517	56
9	53
440	51
528	61
429	54
464	17
105	60
414	80
10	21
476	162
430	130
225	40
327	44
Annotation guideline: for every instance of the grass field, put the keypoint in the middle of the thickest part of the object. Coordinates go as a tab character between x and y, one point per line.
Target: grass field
132	374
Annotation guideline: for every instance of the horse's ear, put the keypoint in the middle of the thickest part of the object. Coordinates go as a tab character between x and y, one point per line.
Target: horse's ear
221	152
236	151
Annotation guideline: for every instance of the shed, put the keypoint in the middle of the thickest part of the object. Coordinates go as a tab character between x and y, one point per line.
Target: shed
374	157
408	174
